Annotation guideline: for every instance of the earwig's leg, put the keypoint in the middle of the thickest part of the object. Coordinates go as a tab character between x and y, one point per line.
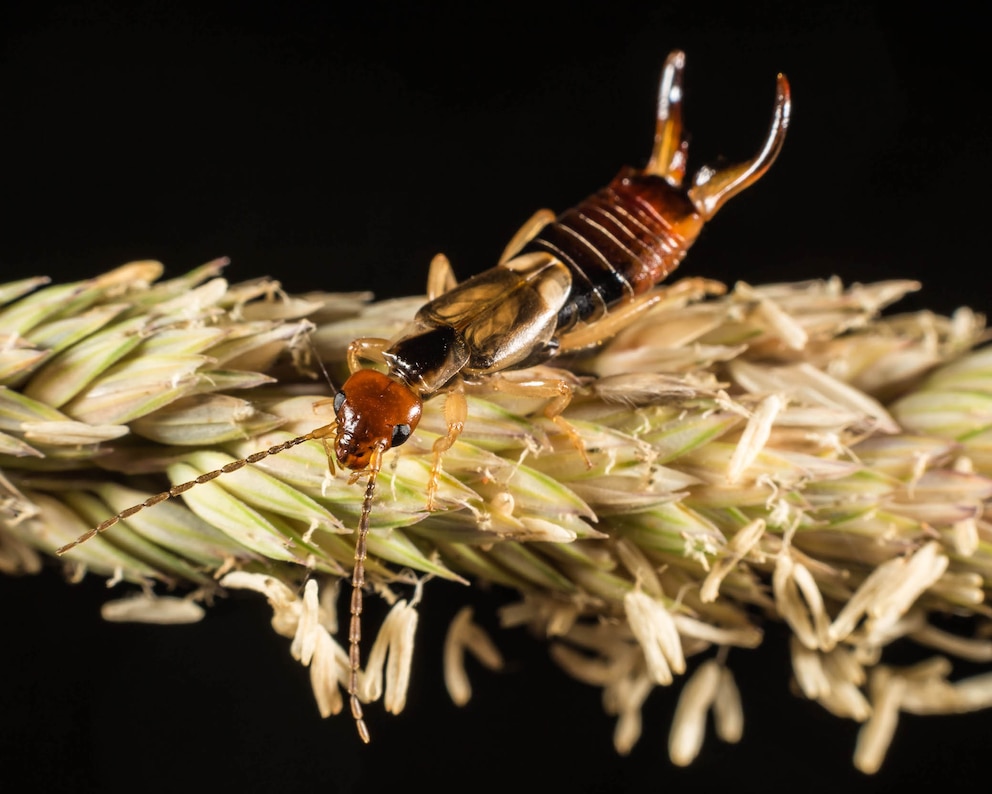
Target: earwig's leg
440	277
325	433
607	327
526	233
369	348
688	289
455	413
691	289
558	393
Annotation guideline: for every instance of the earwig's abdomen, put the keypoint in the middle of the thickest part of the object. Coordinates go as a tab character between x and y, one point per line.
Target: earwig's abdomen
620	242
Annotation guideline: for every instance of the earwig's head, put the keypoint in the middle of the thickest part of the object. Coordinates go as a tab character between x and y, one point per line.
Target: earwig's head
373	411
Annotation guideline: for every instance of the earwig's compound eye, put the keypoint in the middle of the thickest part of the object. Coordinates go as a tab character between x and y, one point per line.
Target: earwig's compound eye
338	401
400	434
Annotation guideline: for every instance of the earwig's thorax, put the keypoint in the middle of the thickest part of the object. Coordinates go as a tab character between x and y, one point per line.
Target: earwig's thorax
427	356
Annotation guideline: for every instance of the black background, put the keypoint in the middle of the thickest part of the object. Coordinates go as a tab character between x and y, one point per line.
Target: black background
339	147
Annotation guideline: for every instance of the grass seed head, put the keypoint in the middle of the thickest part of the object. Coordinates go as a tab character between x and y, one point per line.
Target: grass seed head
776	452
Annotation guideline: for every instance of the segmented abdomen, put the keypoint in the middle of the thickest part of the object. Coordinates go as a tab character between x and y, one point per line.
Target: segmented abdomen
619	242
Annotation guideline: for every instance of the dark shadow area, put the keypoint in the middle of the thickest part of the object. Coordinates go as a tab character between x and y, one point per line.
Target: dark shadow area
340	147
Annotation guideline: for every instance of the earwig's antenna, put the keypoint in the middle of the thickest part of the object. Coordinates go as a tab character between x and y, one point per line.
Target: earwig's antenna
358	573
321	433
357	583
361	542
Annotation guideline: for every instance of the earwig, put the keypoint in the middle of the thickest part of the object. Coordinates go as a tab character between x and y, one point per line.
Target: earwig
563	284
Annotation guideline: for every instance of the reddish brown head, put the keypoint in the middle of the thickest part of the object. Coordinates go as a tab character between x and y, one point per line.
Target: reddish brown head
373	411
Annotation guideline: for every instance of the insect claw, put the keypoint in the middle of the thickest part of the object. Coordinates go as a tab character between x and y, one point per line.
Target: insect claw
574	437
432	485
329	452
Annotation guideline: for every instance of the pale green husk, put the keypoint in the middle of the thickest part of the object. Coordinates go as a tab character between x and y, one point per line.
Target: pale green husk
779	453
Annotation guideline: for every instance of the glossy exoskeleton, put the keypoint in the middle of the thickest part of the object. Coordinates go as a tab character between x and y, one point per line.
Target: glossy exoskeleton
564	283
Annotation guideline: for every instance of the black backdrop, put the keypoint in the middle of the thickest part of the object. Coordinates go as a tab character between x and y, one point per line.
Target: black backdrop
340	147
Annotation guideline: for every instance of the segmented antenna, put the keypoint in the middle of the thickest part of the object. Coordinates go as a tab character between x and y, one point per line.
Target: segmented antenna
319	434
361	543
357	583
